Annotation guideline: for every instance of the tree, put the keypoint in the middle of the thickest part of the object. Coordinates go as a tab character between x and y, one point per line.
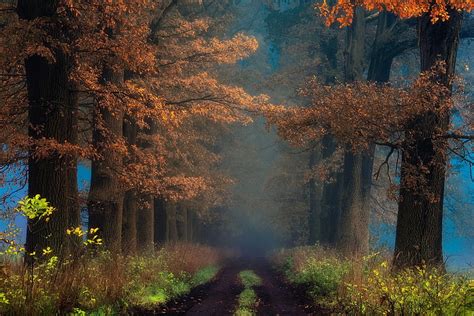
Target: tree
52	104
420	214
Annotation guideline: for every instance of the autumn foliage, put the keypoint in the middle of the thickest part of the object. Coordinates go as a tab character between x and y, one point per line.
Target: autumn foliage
343	11
146	102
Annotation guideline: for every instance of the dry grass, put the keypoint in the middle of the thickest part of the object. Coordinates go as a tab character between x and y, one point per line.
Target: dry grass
190	258
100	281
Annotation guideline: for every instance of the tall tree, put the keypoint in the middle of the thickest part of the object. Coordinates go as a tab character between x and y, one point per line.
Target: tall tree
353	237
51	112
424	159
420	214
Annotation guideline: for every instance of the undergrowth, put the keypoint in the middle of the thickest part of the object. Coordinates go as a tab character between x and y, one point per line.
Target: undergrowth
369	287
105	284
93	281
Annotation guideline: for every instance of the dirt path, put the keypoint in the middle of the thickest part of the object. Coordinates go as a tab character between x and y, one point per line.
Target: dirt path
276	297
220	297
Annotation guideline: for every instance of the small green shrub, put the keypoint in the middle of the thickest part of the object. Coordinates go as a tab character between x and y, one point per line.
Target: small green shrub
370	287
322	277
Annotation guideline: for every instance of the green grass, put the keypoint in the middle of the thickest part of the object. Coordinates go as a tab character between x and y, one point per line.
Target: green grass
247	301
172	286
204	276
249	278
248	298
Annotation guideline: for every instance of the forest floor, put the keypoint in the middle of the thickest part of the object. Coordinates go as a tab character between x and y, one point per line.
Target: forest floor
220	297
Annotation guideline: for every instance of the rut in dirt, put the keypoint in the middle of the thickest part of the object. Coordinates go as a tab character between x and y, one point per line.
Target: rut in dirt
220	297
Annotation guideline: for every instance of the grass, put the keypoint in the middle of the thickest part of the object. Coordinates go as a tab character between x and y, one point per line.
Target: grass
103	284
369	286
204	275
249	278
247	300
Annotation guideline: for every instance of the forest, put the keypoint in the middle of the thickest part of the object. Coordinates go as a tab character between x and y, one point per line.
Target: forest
236	157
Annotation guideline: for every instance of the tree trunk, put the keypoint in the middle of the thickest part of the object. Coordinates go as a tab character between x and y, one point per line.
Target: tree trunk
379	71
382	57
145	223
160	221
172	230
330	204
51	115
182	223
329	213
130	202
146	214
353	235
420	210
354	225
106	194
129	223
190	226
315	197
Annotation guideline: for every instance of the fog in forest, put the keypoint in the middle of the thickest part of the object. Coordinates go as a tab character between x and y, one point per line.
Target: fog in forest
266	207
261	216
236	157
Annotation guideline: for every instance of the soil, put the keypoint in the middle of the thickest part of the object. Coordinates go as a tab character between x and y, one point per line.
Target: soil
219	297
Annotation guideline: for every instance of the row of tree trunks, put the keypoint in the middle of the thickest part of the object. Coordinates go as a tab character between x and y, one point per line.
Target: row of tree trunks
420	211
51	116
181	224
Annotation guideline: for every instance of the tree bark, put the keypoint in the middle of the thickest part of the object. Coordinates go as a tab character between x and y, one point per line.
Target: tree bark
106	194
160	221
353	238
420	210
51	115
145	223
